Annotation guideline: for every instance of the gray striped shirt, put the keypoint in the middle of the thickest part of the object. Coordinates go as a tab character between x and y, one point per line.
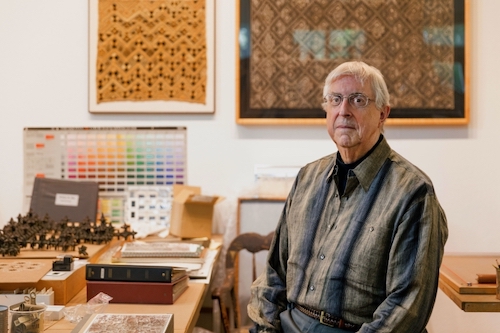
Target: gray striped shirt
370	256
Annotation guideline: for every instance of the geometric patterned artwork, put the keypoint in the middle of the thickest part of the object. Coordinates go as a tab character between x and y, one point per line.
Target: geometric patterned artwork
151	56
151	50
122	323
289	37
288	47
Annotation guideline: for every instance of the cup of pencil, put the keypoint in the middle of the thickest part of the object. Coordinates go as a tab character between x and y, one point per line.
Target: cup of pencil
27	318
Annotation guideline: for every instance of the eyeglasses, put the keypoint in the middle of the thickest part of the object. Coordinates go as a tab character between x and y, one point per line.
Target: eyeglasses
356	100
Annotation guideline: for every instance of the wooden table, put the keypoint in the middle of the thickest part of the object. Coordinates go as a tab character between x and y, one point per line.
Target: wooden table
186	310
458	280
471	302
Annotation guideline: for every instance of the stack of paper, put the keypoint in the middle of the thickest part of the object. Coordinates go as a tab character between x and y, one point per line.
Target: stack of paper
160	252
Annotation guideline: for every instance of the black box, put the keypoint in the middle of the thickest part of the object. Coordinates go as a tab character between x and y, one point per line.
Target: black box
65	264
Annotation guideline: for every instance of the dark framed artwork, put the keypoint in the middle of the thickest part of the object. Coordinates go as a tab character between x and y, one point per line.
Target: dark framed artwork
287	48
152	56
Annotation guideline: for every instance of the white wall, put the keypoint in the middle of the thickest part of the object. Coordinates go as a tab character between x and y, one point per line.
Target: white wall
43	83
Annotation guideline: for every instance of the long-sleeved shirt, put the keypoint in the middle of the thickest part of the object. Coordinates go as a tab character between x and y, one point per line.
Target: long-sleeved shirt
370	256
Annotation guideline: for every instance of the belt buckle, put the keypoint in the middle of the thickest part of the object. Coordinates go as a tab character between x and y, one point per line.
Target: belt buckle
321	316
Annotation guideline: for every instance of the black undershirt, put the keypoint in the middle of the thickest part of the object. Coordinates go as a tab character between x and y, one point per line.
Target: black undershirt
343	168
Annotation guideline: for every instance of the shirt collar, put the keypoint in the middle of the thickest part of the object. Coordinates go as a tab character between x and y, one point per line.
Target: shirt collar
366	171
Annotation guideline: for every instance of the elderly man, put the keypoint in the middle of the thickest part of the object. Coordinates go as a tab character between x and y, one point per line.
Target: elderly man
361	237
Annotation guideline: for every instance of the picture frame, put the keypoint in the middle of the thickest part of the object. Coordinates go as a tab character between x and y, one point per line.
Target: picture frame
286	49
180	80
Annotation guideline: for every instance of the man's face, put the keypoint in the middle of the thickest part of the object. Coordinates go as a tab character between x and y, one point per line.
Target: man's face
351	128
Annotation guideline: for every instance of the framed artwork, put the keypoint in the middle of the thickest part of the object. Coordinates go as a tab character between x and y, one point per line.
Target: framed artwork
287	48
152	56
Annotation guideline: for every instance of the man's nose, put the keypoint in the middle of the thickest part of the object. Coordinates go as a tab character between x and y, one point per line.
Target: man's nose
344	107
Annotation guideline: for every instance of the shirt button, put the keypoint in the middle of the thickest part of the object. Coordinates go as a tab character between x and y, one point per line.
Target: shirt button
372	228
311	288
336	195
322	256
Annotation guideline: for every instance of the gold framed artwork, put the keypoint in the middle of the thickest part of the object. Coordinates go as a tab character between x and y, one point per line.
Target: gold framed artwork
152	56
287	48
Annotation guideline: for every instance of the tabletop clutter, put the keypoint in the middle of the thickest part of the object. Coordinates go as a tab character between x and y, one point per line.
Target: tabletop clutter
76	245
27	316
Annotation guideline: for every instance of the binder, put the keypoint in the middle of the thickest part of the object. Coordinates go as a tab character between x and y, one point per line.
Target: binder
133	273
138	292
60	199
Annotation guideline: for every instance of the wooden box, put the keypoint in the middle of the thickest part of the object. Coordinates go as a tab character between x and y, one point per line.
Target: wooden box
461	271
34	269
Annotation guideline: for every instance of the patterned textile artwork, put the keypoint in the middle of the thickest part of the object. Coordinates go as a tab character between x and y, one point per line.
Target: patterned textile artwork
151	50
296	43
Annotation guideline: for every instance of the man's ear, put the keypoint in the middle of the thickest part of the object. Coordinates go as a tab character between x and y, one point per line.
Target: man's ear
384	113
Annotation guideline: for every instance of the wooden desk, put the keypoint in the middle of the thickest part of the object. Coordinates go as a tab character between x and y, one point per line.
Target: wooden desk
186	310
458	281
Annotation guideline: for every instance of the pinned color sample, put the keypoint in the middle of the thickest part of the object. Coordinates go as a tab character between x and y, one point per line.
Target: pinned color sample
114	157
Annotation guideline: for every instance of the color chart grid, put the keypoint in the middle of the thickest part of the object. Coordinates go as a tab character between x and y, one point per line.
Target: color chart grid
115	157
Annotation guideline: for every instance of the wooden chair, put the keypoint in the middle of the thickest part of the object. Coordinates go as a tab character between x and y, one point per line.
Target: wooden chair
227	294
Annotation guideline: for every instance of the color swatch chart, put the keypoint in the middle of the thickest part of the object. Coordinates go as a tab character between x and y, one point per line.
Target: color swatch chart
115	157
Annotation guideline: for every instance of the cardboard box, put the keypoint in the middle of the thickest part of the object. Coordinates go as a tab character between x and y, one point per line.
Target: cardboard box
192	212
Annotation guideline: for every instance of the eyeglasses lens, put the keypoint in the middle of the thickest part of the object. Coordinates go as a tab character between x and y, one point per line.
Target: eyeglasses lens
358	100
355	100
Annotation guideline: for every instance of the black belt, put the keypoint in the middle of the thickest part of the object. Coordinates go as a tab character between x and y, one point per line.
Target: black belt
328	319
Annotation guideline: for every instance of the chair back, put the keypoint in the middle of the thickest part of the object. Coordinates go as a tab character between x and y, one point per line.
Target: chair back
228	293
